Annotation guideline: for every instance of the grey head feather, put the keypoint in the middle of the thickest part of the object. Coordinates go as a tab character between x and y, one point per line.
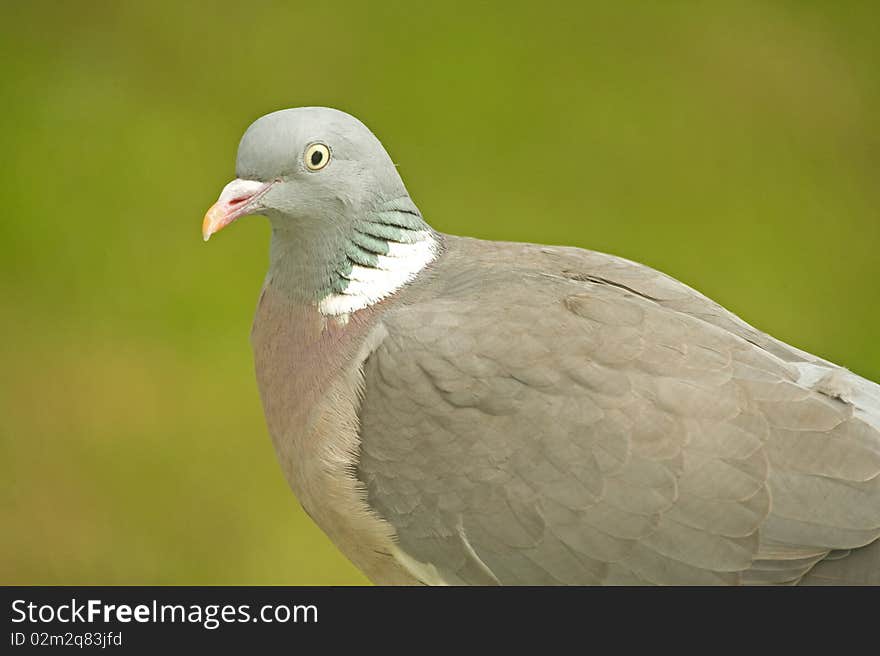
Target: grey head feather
360	170
324	222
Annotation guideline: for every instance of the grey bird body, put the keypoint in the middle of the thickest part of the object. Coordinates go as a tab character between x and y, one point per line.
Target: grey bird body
455	411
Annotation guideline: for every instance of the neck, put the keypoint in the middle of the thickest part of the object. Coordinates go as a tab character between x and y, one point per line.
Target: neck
350	266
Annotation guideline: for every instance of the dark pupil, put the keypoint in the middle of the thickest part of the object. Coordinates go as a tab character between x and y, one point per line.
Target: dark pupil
317	156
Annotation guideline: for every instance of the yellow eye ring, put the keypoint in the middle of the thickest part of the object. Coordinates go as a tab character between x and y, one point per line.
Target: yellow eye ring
317	157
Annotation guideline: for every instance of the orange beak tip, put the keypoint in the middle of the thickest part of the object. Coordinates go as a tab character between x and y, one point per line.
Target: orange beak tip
213	221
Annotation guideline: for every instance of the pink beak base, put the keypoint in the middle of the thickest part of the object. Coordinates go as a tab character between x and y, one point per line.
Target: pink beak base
235	200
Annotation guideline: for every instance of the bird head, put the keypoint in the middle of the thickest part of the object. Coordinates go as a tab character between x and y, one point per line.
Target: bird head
345	233
305	166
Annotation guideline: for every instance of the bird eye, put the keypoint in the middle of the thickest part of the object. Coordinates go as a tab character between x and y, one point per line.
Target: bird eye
317	156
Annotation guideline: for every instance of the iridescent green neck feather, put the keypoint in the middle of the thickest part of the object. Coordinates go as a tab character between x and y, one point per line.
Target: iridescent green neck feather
356	263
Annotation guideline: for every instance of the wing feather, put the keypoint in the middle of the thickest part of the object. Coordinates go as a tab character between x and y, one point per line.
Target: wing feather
551	415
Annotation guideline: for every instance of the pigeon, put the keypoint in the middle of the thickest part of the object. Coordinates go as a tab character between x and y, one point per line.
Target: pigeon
452	411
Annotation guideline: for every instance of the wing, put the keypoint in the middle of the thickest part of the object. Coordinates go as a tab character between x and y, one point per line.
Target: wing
536	418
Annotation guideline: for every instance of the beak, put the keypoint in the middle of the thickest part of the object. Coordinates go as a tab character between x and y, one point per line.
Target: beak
237	199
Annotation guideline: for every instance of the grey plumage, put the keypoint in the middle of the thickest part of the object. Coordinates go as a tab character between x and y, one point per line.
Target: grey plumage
522	414
580	427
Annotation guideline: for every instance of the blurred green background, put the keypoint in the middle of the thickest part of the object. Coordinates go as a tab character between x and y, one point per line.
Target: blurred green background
734	145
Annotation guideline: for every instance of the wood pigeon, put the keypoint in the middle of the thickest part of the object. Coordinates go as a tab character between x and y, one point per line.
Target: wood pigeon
456	411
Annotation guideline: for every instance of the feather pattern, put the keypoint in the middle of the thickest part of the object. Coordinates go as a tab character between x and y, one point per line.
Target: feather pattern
582	419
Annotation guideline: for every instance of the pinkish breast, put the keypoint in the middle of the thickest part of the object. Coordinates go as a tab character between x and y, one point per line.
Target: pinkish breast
297	353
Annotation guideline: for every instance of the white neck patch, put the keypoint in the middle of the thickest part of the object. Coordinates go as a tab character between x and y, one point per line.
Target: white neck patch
369	285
